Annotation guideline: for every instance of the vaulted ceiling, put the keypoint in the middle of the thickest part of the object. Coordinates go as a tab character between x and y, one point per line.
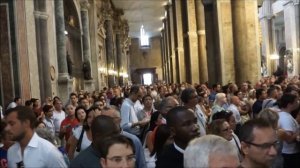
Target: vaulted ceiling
143	12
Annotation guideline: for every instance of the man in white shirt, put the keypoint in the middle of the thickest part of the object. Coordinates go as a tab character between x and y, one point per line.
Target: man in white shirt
130	122
17	102
58	115
29	150
290	150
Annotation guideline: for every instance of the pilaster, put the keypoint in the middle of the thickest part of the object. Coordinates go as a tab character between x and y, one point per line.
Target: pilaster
87	70
41	22
169	43
178	39
268	44
246	45
291	23
191	40
219	41
108	25
200	18
64	82
23	52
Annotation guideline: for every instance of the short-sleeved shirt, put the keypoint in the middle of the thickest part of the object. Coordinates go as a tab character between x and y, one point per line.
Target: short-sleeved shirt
58	117
85	141
288	123
38	153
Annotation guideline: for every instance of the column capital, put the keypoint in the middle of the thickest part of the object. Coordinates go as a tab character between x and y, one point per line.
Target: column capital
106	10
208	2
84	5
192	34
167	6
40	15
201	32
107	14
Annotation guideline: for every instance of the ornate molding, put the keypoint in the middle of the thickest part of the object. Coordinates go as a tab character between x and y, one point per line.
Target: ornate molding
41	15
84	5
106	10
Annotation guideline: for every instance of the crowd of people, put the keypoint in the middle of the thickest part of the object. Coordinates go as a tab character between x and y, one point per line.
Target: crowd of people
160	125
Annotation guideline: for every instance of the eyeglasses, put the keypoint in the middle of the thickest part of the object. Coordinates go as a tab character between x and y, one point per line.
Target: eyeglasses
119	159
266	146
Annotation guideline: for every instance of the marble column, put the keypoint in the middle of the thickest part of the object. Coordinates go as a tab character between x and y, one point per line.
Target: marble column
94	22
191	41
291	24
119	57
109	47
200	18
64	82
88	81
178	40
41	18
246	45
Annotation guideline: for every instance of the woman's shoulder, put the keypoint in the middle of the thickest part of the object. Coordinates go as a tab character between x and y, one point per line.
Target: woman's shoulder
77	128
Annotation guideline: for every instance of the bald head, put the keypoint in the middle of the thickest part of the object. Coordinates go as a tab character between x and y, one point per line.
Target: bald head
113	113
103	126
235	100
167	104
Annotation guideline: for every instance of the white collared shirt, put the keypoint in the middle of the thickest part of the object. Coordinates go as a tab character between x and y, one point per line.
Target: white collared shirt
128	116
38	153
178	148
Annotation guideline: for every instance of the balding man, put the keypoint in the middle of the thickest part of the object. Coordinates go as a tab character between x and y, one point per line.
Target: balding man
167	104
139	152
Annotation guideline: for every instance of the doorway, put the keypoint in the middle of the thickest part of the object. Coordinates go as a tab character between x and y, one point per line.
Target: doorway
147	78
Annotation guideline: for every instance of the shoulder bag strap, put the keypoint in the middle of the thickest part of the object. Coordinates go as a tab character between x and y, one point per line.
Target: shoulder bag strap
78	146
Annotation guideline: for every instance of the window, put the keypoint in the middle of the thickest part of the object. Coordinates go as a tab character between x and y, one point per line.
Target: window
144	38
